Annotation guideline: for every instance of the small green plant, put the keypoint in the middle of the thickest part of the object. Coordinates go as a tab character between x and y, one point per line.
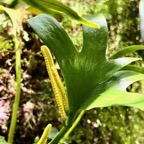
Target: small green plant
16	32
92	80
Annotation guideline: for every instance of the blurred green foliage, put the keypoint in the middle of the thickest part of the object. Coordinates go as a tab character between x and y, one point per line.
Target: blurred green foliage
2	140
9	3
113	125
6	42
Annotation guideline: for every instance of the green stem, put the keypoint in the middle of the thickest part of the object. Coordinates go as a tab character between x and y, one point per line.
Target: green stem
65	131
73	126
17	96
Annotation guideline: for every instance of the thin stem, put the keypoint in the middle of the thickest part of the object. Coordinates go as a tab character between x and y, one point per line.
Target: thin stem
16	99
73	126
65	131
16	33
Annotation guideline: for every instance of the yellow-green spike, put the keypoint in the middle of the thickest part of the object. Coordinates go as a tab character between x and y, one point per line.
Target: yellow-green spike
57	91
45	134
61	88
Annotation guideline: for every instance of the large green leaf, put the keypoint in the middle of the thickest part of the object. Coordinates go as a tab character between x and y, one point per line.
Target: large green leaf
57	7
113	92
84	70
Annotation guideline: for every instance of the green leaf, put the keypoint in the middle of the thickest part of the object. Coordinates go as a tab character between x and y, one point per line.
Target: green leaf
15	23
84	70
55	6
134	68
113	92
11	13
33	10
54	131
2	140
127	50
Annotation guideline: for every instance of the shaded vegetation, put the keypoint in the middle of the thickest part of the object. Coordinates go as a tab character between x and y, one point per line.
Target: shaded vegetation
37	106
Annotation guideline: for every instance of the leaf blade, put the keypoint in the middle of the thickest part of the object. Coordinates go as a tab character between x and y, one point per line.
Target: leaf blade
113	92
55	37
57	6
126	50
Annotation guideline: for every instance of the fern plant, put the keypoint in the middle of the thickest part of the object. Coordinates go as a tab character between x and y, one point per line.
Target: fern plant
35	7
91	79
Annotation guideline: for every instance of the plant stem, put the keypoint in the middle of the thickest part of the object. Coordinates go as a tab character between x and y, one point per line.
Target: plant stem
73	126
17	97
65	131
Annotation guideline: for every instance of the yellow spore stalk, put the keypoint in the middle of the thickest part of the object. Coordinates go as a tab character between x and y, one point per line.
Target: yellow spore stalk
58	88
61	88
45	134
